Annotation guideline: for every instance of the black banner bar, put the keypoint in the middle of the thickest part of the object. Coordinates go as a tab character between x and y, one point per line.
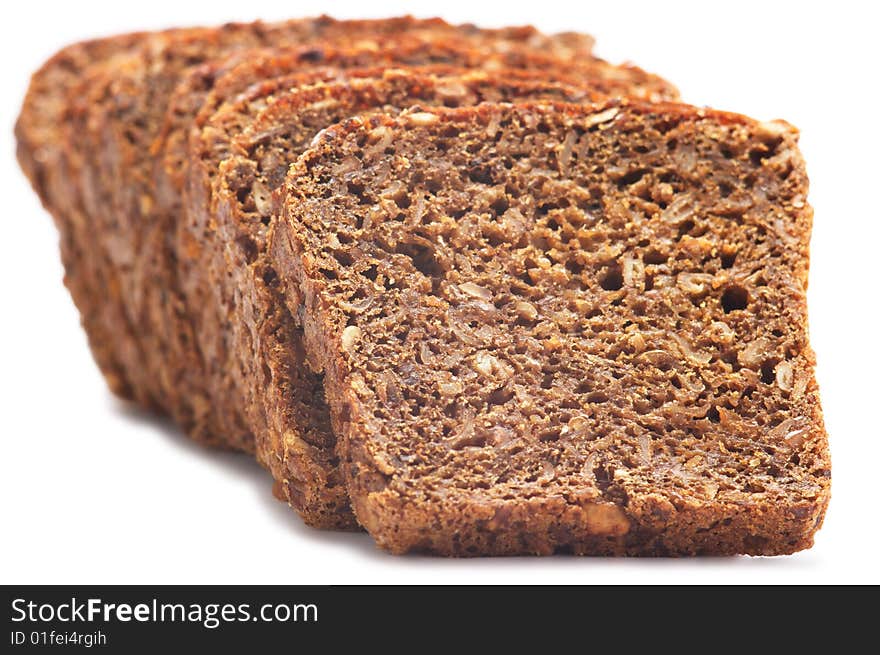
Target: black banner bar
253	619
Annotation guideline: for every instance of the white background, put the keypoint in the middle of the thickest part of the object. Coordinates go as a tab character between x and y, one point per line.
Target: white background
91	490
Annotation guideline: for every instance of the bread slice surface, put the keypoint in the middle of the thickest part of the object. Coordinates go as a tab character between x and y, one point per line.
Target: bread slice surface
557	328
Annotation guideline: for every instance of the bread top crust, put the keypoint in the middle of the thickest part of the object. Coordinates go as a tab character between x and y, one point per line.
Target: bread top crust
58	79
205	89
159	58
595	304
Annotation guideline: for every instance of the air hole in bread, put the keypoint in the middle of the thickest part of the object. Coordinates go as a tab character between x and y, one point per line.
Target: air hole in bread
734	298
612	279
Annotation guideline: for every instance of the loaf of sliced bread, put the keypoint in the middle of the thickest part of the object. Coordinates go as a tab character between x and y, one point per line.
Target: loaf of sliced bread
283	398
556	328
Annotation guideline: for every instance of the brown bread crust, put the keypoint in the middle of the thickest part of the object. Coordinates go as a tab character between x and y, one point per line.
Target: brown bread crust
283	400
558	328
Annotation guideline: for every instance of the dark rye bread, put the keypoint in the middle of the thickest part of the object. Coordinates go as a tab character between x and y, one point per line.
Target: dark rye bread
100	273
196	249
563	328
280	398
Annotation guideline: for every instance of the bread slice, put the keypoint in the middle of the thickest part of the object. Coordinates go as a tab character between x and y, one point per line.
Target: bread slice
557	328
282	399
106	275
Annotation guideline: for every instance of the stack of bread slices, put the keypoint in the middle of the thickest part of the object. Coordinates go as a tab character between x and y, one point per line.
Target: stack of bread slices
475	291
